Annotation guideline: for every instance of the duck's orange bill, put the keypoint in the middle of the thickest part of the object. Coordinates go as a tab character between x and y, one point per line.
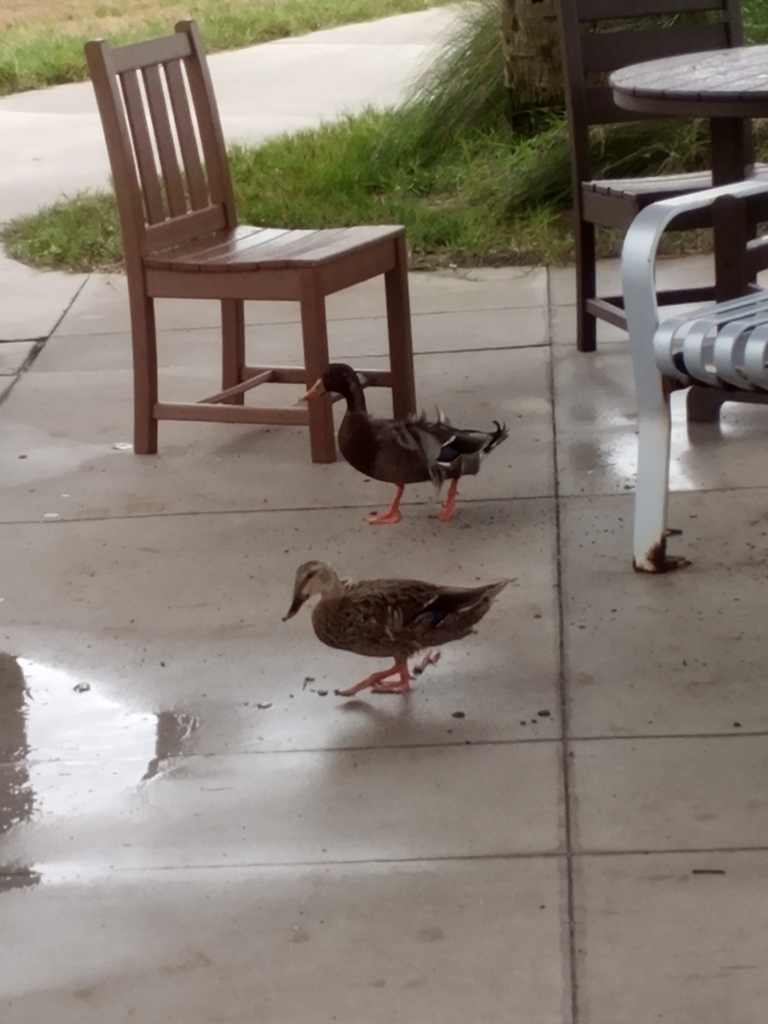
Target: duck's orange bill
318	388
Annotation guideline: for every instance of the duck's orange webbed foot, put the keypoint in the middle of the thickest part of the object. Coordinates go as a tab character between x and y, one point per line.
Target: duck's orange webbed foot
377	684
392	515
446	512
401	685
384	517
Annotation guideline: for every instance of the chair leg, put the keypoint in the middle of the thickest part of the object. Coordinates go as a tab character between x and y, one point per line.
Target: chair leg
400	337
232	347
586	285
314	328
144	373
702	404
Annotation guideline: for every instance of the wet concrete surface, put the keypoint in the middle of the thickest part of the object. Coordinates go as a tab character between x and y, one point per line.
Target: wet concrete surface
563	822
191	820
161	723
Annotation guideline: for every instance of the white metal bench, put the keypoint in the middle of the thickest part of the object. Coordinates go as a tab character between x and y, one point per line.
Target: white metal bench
722	346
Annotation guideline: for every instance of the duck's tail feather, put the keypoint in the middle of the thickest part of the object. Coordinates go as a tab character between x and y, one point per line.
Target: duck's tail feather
500	434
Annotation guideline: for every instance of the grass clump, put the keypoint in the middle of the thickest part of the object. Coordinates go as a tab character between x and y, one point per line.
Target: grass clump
79	234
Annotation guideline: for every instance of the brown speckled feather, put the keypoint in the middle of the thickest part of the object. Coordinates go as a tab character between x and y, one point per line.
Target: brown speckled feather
398	618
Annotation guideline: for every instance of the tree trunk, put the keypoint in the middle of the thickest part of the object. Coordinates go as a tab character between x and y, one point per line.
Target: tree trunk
531	43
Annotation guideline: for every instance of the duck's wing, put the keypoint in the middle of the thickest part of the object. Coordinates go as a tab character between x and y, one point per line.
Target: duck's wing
405	452
454	610
462	450
415	449
371	616
415	614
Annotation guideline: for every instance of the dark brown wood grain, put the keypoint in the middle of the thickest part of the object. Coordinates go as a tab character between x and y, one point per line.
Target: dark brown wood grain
600	37
723	83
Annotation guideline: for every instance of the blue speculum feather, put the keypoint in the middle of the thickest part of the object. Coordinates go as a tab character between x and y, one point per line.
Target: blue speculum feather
448	454
436	616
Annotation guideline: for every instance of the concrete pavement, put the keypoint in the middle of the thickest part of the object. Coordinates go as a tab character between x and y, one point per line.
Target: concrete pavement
566	822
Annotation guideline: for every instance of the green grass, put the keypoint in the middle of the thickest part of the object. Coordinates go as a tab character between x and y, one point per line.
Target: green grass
346	174
31	58
335	176
79	234
755	15
447	165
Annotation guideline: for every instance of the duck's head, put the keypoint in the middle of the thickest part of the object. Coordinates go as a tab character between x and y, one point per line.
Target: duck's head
311	578
340	379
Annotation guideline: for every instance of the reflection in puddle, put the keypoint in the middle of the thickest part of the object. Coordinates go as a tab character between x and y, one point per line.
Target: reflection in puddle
65	749
172	730
64	722
16	795
13	877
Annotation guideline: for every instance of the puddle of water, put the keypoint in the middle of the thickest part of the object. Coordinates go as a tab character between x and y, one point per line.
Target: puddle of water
68	750
65	721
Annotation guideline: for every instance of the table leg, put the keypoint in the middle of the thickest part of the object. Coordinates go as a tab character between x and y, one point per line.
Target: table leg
731	152
729	149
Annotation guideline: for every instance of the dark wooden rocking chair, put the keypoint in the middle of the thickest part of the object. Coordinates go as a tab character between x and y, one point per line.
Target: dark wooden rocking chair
589	54
182	240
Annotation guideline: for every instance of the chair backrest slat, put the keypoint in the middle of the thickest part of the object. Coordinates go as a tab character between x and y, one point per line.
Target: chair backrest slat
181	229
169	162
165	141
211	134
602	51
601	109
599	36
602	10
135	56
142	146
190	153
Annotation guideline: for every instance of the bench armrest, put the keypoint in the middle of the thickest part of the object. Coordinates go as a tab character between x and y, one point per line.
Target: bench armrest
638	257
638	273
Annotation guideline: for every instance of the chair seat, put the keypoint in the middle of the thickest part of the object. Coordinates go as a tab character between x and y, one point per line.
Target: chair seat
644	191
725	346
249	248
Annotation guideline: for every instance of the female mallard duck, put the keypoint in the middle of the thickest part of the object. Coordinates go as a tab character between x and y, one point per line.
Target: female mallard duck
388	618
408	451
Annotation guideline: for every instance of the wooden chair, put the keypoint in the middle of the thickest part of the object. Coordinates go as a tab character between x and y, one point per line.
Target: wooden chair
590	53
182	240
721	349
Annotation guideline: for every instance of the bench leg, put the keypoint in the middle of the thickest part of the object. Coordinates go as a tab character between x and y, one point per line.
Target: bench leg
702	404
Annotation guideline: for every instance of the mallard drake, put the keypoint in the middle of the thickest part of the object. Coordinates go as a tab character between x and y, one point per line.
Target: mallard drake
388	618
408	451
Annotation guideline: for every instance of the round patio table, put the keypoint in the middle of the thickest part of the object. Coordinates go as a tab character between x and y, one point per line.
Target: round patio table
726	86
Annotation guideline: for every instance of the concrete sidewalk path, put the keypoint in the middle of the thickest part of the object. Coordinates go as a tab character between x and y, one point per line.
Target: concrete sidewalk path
52	144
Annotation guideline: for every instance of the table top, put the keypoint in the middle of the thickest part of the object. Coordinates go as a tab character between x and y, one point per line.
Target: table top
715	83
